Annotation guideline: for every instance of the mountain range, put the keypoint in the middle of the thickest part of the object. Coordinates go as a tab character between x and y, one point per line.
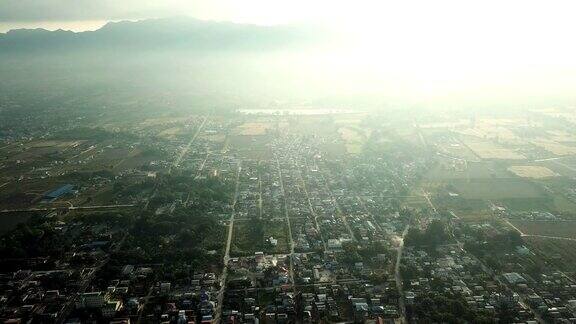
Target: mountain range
168	33
162	62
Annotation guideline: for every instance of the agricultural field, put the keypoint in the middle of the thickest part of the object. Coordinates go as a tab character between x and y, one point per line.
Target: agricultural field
532	171
449	169
492	151
499	133
256	147
561	136
171	133
457	150
254	128
564	166
54	143
476	216
354	139
560	253
312	125
555	147
162	121
354	120
563	205
445	124
566	229
106	158
485	194
138	158
40	150
497	189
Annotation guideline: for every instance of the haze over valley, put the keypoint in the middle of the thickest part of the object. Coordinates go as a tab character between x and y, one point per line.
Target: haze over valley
266	161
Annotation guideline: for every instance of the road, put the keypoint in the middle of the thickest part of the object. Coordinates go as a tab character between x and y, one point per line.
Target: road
291	270
187	147
318	284
310	207
201	168
177	161
338	210
69	208
223	277
259	191
554	158
427	196
398	277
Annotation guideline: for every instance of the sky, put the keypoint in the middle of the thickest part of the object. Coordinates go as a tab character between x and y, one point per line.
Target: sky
461	45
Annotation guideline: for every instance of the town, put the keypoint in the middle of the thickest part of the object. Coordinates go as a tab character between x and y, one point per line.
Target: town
289	216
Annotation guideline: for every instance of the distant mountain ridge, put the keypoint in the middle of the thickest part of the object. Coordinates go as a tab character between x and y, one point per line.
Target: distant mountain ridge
166	33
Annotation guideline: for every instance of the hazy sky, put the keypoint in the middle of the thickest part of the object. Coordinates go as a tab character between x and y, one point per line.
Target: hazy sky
507	45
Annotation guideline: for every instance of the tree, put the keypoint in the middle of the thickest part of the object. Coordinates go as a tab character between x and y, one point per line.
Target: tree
433	236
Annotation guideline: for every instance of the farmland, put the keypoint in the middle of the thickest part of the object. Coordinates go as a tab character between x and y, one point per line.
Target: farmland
497	189
457	150
254	129
555	147
488	150
353	138
449	169
559	253
171	133
253	146
565	229
532	171
516	194
491	132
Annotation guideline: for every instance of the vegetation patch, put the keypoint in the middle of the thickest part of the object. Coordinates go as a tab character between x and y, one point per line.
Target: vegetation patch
255	236
497	189
565	229
488	150
532	171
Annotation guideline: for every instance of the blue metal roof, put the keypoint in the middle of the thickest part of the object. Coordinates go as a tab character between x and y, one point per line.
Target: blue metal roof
67	188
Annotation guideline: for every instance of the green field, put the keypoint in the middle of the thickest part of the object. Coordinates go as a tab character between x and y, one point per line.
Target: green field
246	240
559	253
497	189
512	193
565	229
449	169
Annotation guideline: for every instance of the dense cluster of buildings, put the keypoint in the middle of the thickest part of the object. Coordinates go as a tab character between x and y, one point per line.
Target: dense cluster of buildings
309	238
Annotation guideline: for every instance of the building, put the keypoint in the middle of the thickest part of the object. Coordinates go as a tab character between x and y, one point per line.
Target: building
514	278
110	308
55	194
95	299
